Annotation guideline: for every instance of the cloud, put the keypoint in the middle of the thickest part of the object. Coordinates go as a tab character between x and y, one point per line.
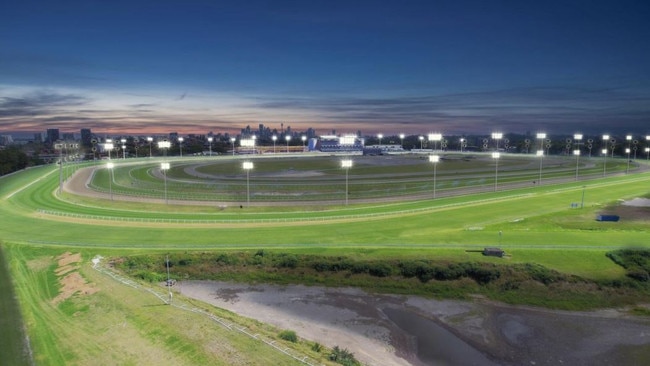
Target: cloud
39	103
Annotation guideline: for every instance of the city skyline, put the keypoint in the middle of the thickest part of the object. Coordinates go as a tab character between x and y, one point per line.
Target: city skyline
380	67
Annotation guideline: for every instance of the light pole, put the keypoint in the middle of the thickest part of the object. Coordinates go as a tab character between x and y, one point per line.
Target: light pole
248	165
647	153
210	141
576	152
401	139
150	139
435	137
577	138
59	147
541	137
180	145
109	146
123	141
627	151
346	164
496	155
303	138
421	138
380	136
232	140
274	138
164	167
462	142
605	151
288	138
164	145
110	166
434	159
497	136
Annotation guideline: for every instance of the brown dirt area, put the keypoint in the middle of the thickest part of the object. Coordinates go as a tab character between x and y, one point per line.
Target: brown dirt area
71	281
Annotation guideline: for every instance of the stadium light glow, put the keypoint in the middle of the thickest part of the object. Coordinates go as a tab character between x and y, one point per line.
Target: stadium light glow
434	159
346	164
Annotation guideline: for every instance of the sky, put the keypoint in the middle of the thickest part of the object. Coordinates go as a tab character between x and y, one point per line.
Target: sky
405	66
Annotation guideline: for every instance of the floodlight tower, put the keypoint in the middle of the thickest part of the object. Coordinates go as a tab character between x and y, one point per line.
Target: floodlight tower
421	138
346	164
541	137
496	155
123	141
180	145
304	139
210	139
435	137
288	138
165	167
110	166
150	139
232	140
164	145
109	146
401	139
380	136
605	152
577	138
434	159
496	136
274	138
462	144
248	165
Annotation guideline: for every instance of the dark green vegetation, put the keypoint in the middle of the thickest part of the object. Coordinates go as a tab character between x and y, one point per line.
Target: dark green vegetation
635	261
13	159
521	283
344	357
13	345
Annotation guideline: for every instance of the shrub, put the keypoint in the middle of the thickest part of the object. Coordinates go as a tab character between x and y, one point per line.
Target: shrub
343	357
316	347
289	335
380	269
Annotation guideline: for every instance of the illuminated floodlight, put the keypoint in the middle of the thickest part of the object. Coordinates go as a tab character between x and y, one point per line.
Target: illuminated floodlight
150	140
541	135
232	140
496	156
346	164
164	144
110	167
434	159
164	167
380	136
248	165
274	138
497	135
210	139
288	138
577	136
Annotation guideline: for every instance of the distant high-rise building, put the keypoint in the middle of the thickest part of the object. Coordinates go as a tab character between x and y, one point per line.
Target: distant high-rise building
38	137
52	135
86	137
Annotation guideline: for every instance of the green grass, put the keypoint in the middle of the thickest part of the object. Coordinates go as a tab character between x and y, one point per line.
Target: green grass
536	224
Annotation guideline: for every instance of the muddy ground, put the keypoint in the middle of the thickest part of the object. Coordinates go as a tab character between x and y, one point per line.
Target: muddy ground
409	330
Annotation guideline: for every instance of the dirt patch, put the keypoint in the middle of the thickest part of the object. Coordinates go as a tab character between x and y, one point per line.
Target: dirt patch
628	213
71	281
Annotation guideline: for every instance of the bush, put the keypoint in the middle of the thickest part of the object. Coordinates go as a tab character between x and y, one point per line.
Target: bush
343	357
316	347
289	335
379	269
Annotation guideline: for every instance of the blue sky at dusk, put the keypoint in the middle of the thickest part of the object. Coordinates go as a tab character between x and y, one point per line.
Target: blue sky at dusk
375	66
